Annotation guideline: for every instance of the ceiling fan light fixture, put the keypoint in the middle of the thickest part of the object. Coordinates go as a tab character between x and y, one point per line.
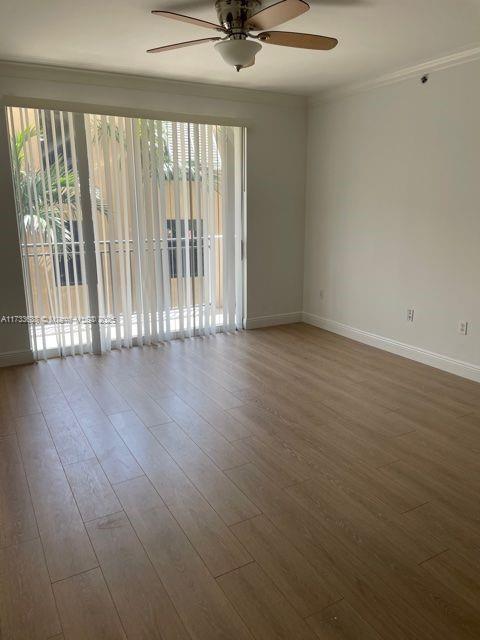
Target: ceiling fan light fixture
238	53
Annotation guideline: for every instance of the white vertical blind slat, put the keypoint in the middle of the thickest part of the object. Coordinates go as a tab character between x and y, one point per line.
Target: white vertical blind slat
21	230
212	232
74	325
126	207
35	281
61	214
86	330
49	229
98	210
47	170
197	228
177	236
34	226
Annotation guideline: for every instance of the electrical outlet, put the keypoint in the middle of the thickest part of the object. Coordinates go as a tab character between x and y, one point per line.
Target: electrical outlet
463	327
410	315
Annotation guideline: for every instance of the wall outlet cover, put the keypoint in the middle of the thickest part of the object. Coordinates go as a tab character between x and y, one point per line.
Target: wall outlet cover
463	327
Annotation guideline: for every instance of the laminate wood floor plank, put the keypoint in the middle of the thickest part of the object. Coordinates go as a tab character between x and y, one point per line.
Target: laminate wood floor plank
335	464
448	524
303	587
86	608
340	621
355	518
207	363
265	610
109	399
166	476
230	503
145	406
86	409
20	396
431	485
204	527
316	383
388	557
221	396
210	361
145	609
205	611
17	522
65	375
355	438
332	558
268	461
27	606
67	548
93	493
218	448
441	455
308	361
113	454
43	381
66	432
206	408
7	422
402	395
459	571
212	539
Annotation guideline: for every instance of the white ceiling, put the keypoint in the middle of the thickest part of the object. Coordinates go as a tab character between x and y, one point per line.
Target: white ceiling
376	37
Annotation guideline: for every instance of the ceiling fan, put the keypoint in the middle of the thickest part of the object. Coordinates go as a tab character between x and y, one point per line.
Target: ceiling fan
238	18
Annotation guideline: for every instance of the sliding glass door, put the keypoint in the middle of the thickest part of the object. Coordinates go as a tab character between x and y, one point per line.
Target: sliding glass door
163	203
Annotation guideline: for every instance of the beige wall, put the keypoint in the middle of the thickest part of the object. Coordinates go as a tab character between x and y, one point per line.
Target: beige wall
13	337
275	169
393	212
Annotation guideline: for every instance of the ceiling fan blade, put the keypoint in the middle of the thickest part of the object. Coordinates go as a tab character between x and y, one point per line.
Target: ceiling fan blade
196	21
276	14
180	45
299	40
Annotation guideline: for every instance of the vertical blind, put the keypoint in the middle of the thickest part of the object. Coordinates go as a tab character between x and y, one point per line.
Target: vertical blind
44	169
166	208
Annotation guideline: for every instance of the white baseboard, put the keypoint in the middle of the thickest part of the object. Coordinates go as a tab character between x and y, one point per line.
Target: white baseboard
270	321
12	358
437	360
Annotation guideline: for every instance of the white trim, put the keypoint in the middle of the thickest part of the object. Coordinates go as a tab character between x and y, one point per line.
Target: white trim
12	358
437	360
69	75
437	64
271	321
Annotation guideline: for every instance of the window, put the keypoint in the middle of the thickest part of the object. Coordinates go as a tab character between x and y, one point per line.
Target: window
162	204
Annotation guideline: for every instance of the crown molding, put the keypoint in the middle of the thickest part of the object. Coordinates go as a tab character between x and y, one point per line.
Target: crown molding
71	75
438	64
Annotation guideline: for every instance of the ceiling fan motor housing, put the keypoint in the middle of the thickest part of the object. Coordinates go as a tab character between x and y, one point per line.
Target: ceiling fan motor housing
233	14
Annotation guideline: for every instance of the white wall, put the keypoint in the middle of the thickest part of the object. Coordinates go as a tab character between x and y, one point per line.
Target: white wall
276	142
393	212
